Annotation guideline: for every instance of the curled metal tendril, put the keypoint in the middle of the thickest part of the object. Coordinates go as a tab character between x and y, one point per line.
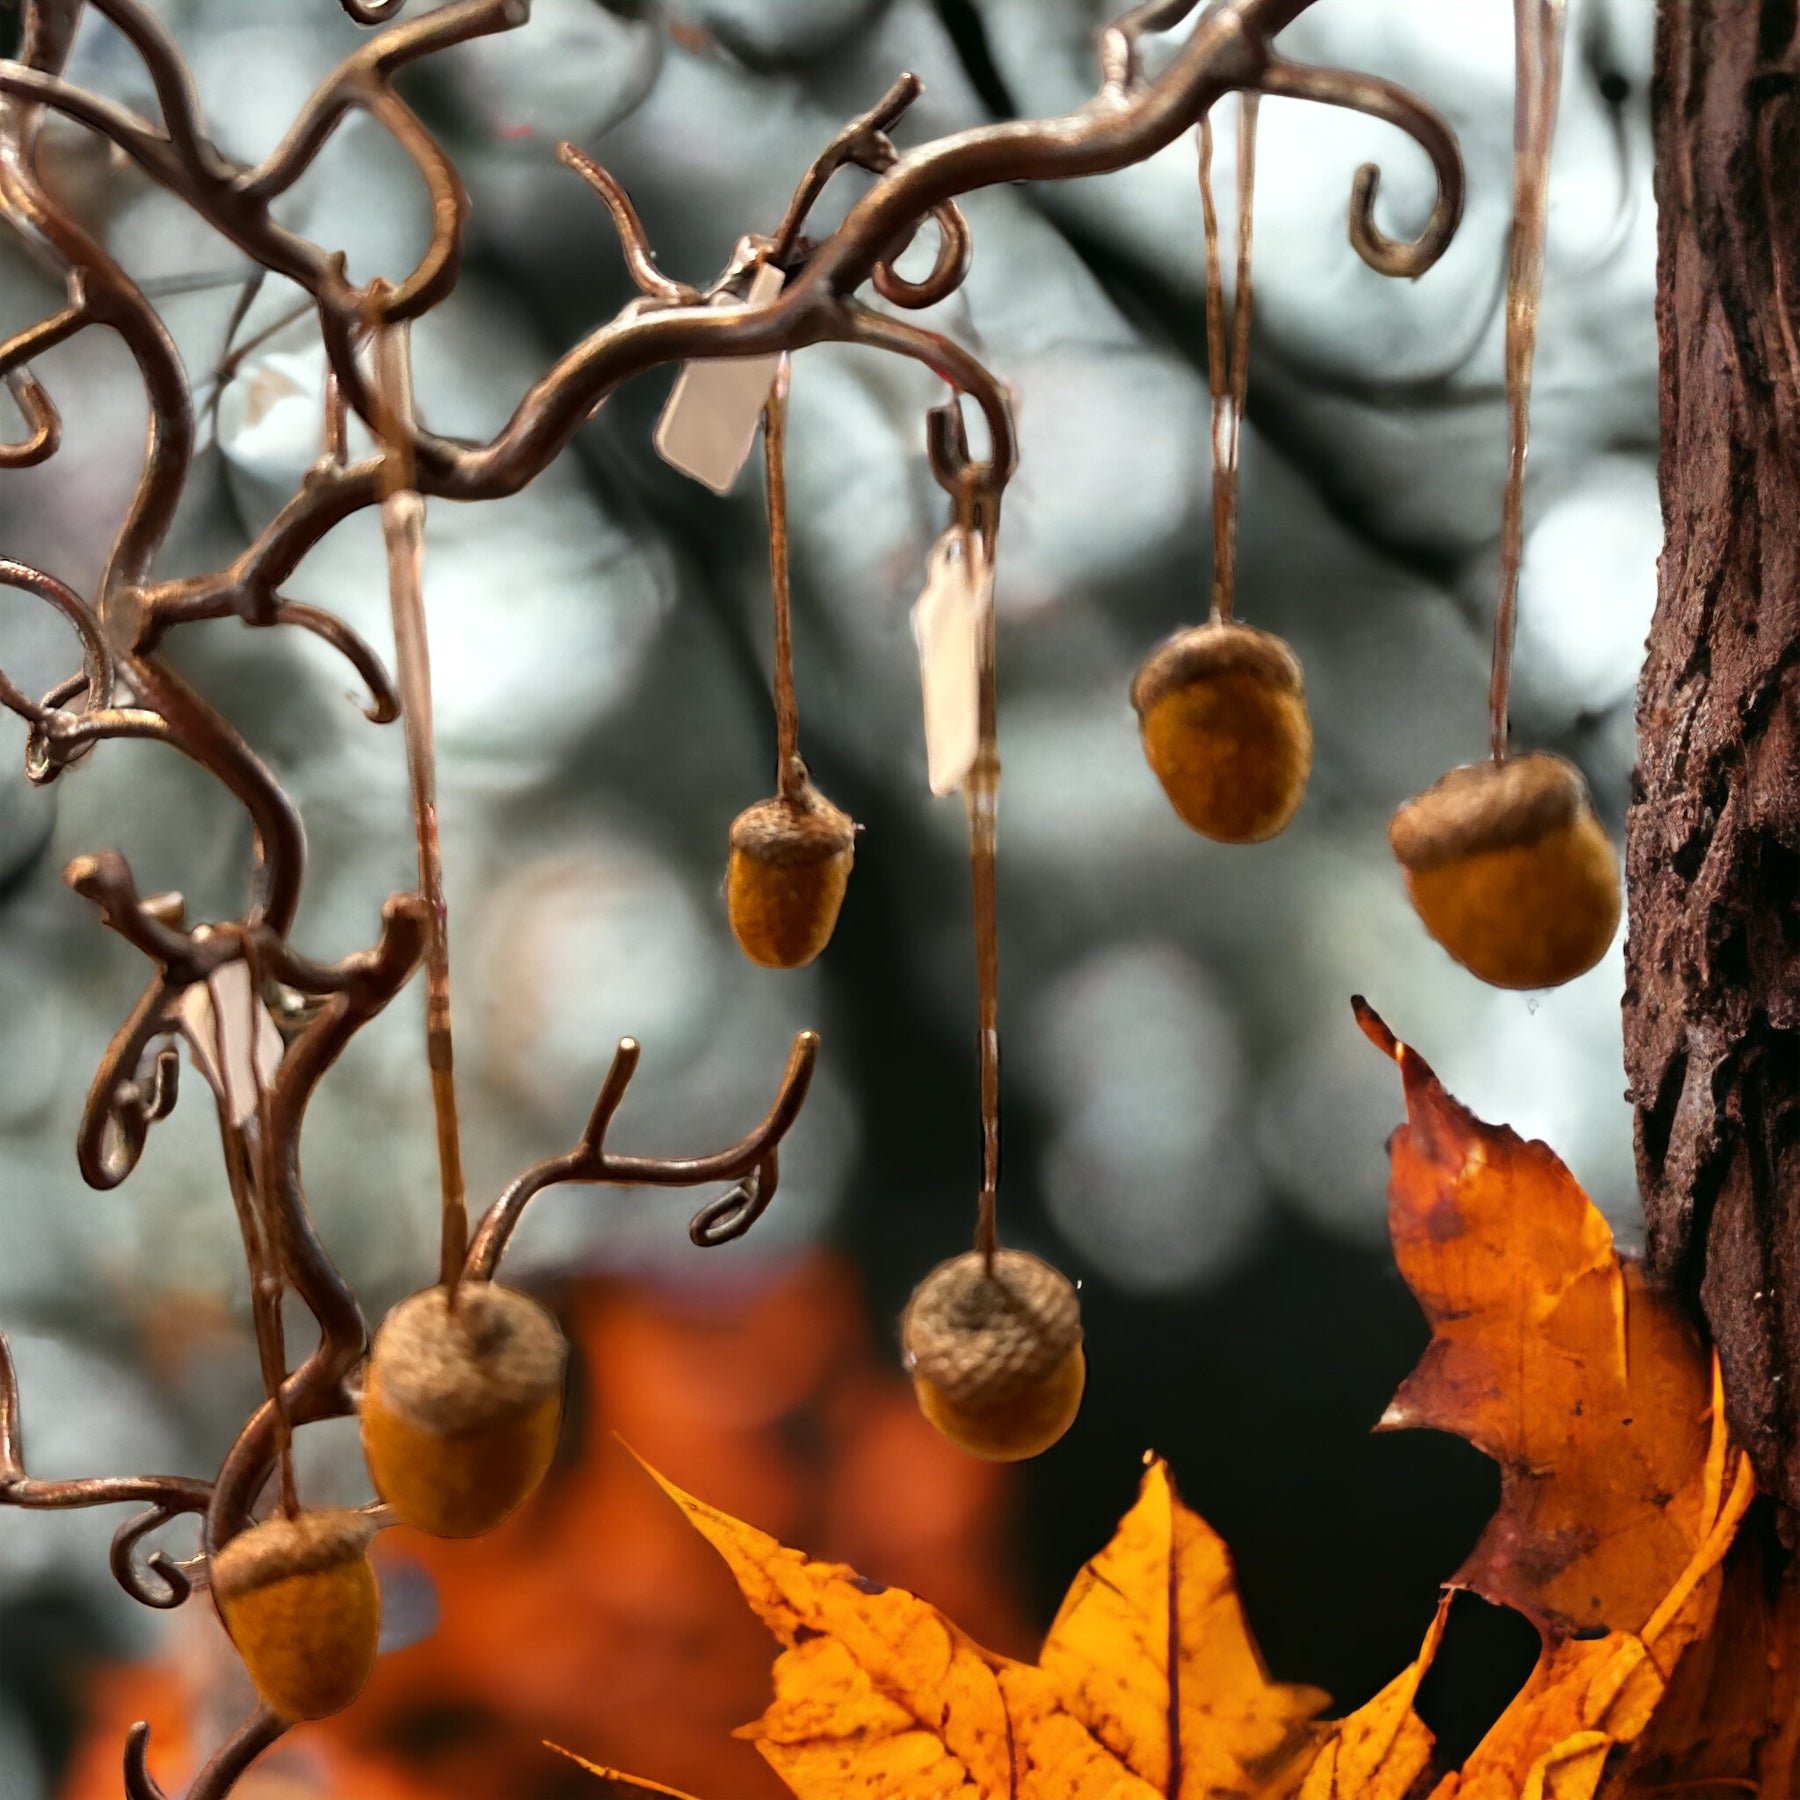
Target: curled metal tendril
219	1776
947	273
731	1215
1383	100
42	421
158	1581
49	718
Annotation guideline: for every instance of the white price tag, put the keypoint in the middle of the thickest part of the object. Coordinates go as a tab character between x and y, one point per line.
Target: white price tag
947	622
222	1008
709	425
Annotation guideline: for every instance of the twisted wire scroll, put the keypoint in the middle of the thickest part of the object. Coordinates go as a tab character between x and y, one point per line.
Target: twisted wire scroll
126	686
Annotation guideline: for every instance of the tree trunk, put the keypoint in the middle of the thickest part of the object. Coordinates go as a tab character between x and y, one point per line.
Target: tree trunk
1712	999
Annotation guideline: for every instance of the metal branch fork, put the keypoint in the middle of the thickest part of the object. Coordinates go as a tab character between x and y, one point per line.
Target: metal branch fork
127	687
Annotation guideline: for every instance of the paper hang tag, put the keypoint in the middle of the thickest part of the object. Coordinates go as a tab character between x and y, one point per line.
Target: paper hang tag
947	622
222	1006
709	424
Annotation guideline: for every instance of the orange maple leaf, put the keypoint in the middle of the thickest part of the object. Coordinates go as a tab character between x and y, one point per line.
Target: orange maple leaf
1149	1684
1590	1391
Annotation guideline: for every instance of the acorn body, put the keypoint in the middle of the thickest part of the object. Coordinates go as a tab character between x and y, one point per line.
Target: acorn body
300	1600
462	1407
996	1360
1510	869
790	863
1222	712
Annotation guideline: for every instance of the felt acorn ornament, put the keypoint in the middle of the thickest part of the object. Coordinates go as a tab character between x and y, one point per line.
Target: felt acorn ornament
995	1356
1222	711
790	855
790	863
1506	862
1510	869
462	1406
299	1599
1222	707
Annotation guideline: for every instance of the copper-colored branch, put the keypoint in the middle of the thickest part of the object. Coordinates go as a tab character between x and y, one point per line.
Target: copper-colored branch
634	241
591	1162
132	132
384	702
35	340
42	422
174	86
361	986
1228	48
364	74
219	1776
1383	100
951	363
863	142
96	658
1120	62
173	1493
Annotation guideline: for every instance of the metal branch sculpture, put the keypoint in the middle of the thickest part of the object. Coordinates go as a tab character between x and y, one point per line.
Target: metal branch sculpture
128	687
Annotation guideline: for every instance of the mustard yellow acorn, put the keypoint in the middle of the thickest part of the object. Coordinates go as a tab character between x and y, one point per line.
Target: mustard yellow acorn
462	1406
300	1601
790	863
996	1359
1510	869
1222	711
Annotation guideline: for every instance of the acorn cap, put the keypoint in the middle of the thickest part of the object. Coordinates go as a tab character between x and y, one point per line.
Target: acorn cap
782	832
278	1548
1488	806
1204	652
983	1339
452	1371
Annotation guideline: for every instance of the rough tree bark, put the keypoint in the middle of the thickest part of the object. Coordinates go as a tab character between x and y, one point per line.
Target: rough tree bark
1712	1001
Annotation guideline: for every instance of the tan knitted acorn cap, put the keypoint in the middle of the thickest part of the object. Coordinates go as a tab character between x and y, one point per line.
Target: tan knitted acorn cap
1488	806
450	1372
277	1548
981	1340
783	833
1222	648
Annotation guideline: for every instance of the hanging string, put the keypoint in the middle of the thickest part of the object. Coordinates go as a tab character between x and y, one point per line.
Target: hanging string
1538	42
1228	359
790	771
247	1175
403	527
981	798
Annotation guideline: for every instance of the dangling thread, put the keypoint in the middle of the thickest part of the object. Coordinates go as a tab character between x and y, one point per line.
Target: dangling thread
790	771
981	795
403	527
1228	366
248	1174
1538	41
